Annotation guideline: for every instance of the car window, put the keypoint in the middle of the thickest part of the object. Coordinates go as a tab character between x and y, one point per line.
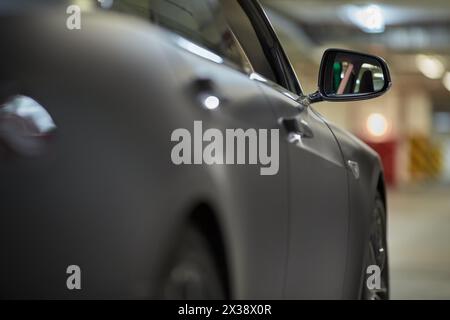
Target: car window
246	35
200	21
248	20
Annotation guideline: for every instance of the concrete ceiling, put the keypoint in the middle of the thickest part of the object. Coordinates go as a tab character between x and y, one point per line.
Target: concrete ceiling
396	12
412	27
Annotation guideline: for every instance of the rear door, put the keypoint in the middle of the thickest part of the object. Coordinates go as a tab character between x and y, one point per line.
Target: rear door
317	177
213	86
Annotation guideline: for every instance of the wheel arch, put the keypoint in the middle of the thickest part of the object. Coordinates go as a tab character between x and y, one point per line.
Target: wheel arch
381	189
205	218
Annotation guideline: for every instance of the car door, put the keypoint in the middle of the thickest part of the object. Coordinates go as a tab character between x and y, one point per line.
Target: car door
318	201
212	85
317	176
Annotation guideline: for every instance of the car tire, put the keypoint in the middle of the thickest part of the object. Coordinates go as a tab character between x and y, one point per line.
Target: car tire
193	273
377	253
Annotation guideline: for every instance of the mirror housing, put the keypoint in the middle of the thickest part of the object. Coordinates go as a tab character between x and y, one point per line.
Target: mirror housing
351	76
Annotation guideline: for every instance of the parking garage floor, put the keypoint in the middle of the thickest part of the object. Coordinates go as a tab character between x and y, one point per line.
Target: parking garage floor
419	239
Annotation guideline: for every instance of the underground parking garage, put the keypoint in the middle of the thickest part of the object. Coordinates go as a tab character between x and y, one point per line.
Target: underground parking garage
225	150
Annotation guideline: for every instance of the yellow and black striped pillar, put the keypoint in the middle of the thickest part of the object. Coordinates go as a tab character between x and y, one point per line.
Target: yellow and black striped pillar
425	158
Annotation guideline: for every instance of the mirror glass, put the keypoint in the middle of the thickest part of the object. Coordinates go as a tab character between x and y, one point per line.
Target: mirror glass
350	74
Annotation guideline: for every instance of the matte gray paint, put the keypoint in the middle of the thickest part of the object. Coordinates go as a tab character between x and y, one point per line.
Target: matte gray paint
107	197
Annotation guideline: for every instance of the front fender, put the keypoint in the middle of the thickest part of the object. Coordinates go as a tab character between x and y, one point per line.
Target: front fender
362	193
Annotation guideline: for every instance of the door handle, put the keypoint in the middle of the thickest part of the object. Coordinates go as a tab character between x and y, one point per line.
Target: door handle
204	84
297	127
205	91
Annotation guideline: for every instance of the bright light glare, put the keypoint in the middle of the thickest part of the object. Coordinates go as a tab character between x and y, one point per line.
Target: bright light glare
106	4
195	49
370	18
258	77
25	107
212	102
85	5
377	124
431	67
446	81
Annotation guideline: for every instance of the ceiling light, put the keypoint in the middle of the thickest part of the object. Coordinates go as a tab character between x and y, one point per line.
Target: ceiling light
430	66
446	81
369	18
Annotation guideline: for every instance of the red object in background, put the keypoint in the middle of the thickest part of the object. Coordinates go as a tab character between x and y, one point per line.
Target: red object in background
386	150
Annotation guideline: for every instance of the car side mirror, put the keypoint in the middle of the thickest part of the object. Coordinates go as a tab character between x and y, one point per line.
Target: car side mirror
350	76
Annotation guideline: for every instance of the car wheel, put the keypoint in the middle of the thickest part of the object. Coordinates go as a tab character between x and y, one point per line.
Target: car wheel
193	273
377	254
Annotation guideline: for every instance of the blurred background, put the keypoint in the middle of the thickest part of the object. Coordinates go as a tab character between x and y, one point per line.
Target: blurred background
409	127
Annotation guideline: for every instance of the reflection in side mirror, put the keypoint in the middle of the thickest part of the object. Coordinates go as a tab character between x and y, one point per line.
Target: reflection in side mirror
351	78
348	76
